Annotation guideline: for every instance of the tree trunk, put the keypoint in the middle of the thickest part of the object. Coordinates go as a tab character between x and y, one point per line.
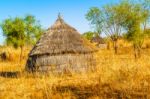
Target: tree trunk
108	45
115	46
21	53
137	51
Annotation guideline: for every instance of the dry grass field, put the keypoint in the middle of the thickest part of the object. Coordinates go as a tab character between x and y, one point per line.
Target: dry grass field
116	77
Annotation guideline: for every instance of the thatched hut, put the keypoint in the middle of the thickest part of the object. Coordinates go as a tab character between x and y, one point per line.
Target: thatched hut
61	48
99	41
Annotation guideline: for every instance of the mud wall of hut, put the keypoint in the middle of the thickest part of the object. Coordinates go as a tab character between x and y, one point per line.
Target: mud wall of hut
62	63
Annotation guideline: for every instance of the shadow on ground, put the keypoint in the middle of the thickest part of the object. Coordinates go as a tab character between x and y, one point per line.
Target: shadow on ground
10	74
105	91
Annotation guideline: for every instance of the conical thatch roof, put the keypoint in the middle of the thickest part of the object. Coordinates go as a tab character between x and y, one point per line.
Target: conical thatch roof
61	38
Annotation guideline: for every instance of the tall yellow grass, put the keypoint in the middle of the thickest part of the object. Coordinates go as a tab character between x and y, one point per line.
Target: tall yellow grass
116	77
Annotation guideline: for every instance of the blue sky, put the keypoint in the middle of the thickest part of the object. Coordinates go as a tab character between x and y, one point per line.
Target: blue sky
46	11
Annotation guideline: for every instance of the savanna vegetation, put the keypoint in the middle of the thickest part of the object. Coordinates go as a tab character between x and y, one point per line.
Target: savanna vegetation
122	71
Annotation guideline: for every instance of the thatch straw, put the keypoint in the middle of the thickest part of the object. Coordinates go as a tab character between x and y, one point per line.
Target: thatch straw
61	38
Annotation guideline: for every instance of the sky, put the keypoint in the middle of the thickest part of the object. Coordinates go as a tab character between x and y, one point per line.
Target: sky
46	11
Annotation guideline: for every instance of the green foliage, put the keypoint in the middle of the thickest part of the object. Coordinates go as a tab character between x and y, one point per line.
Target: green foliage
13	29
105	20
33	29
21	31
94	15
89	35
130	16
134	19
133	15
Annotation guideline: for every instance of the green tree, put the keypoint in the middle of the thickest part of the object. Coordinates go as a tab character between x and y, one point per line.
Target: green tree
106	21
134	19
21	31
33	29
130	16
95	18
13	30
